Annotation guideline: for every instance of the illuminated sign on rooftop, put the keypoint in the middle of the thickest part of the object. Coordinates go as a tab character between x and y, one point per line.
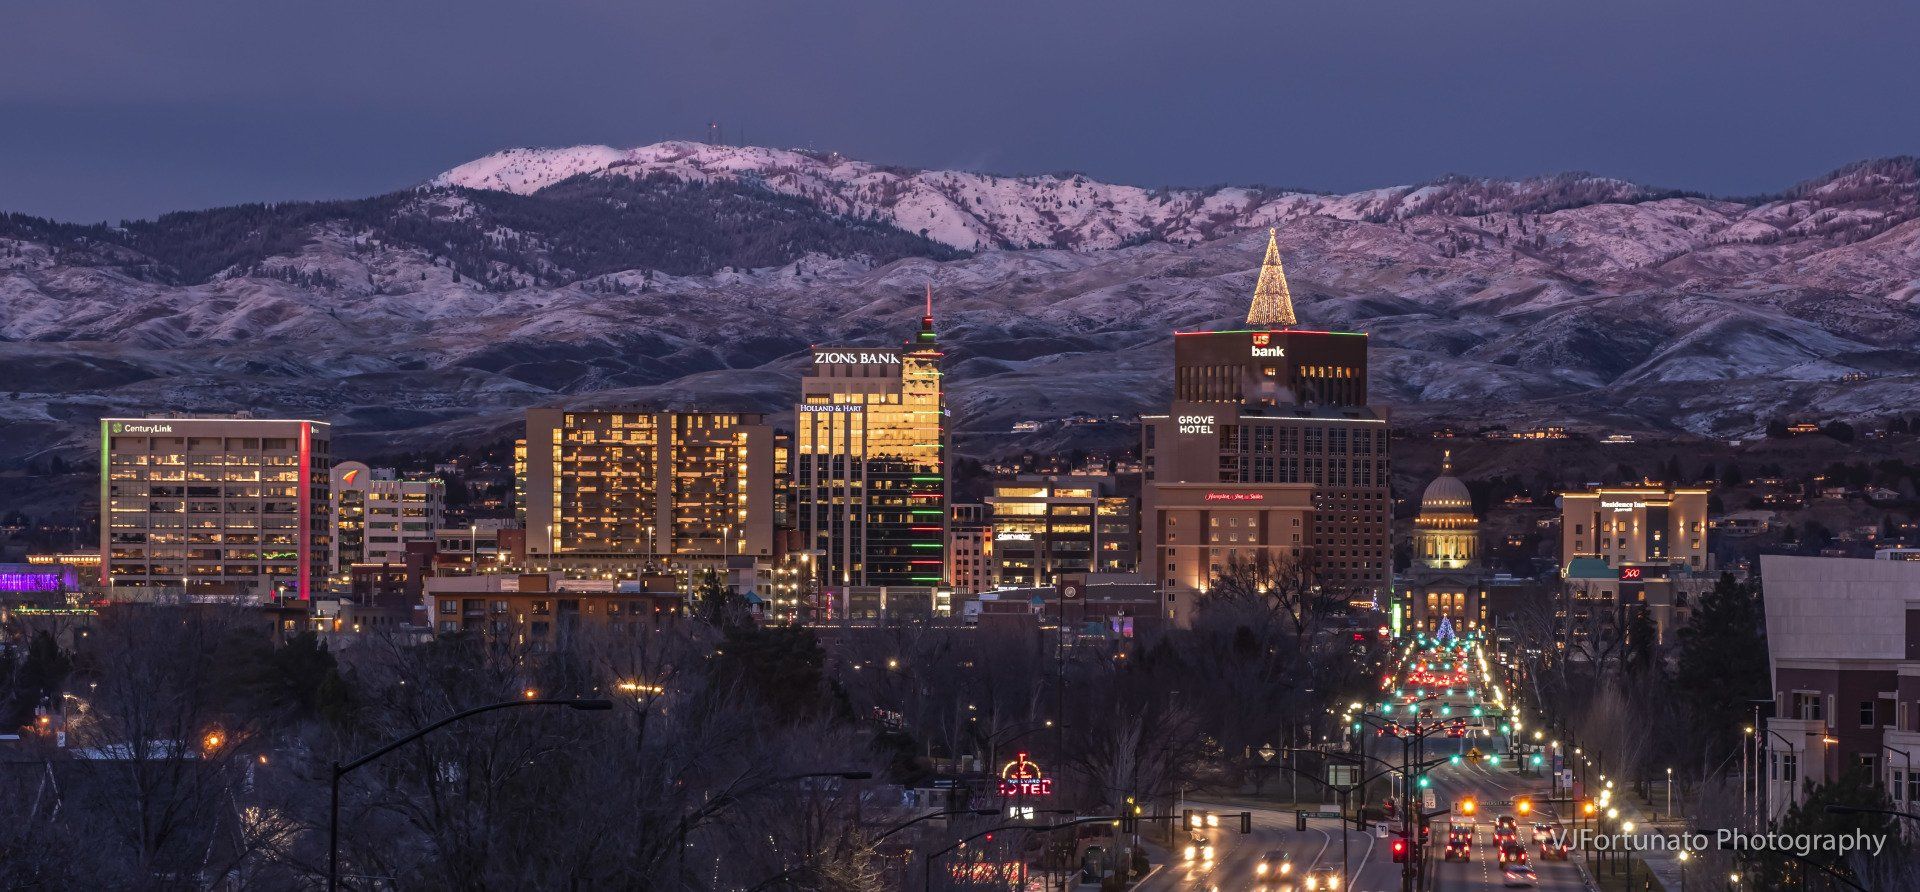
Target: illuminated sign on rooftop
856	357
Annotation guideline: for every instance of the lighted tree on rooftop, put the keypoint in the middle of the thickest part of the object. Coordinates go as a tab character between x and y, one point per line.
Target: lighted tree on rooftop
1272	301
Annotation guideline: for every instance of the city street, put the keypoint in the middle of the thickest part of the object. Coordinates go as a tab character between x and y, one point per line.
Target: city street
1490	782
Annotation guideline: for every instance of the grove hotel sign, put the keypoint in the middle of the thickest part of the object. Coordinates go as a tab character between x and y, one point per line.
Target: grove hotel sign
856	357
1196	424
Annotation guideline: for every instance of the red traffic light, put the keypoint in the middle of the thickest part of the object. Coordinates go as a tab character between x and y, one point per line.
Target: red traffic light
1399	850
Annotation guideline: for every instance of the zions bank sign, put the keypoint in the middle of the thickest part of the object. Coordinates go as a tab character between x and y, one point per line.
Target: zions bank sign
856	357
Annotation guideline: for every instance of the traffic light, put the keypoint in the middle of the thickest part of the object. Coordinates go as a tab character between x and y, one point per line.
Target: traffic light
1524	805
1188	820
1399	850
1453	759
1468	807
1300	821
1246	822
1586	808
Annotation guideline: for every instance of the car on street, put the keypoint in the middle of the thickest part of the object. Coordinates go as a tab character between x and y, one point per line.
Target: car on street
1459	845
1198	848
1321	879
1518	875
1554	848
1512	853
1274	865
1541	832
1504	829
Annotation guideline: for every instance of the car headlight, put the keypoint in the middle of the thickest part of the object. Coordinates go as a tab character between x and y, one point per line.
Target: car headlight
1261	869
1333	882
1207	853
1192	852
1313	883
1286	867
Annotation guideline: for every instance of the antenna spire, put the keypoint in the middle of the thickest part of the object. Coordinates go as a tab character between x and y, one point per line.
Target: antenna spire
1272	300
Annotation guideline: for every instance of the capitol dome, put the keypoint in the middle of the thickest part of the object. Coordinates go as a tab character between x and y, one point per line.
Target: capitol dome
1445	532
1446	494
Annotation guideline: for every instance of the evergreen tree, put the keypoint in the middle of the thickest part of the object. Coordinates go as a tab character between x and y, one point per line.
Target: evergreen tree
1641	635
39	678
1723	662
1732	476
1856	787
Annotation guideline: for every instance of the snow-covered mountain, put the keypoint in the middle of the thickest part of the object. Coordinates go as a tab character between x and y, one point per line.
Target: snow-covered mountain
690	274
1610	224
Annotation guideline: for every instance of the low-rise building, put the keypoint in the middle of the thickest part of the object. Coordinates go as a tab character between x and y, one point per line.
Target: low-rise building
1843	646
543	611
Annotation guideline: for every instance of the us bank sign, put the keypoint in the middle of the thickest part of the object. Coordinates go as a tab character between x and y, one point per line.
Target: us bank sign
856	357
1262	346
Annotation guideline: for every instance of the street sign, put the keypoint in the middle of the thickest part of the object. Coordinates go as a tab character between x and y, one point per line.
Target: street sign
1427	797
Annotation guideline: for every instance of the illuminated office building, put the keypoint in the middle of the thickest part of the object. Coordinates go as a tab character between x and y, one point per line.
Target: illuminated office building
869	464
214	506
611	493
375	513
1045	526
1271	404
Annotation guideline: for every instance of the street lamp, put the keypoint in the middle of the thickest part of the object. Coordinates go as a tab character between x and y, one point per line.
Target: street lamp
340	770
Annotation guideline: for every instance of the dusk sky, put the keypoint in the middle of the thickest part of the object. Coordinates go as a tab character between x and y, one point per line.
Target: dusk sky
128	108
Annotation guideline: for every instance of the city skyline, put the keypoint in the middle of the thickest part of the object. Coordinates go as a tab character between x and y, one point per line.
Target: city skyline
1505	475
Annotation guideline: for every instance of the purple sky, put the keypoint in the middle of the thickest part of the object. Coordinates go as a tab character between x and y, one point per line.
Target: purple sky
127	108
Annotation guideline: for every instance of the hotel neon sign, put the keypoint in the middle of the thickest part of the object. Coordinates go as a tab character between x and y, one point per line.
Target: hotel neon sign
1023	777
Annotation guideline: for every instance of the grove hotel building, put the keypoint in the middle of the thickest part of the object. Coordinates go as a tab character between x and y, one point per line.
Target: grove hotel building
869	464
1267	405
214	506
616	492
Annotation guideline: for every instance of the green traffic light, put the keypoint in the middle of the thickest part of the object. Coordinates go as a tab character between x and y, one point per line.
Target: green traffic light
1455	758
1424	783
1476	710
1446	710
